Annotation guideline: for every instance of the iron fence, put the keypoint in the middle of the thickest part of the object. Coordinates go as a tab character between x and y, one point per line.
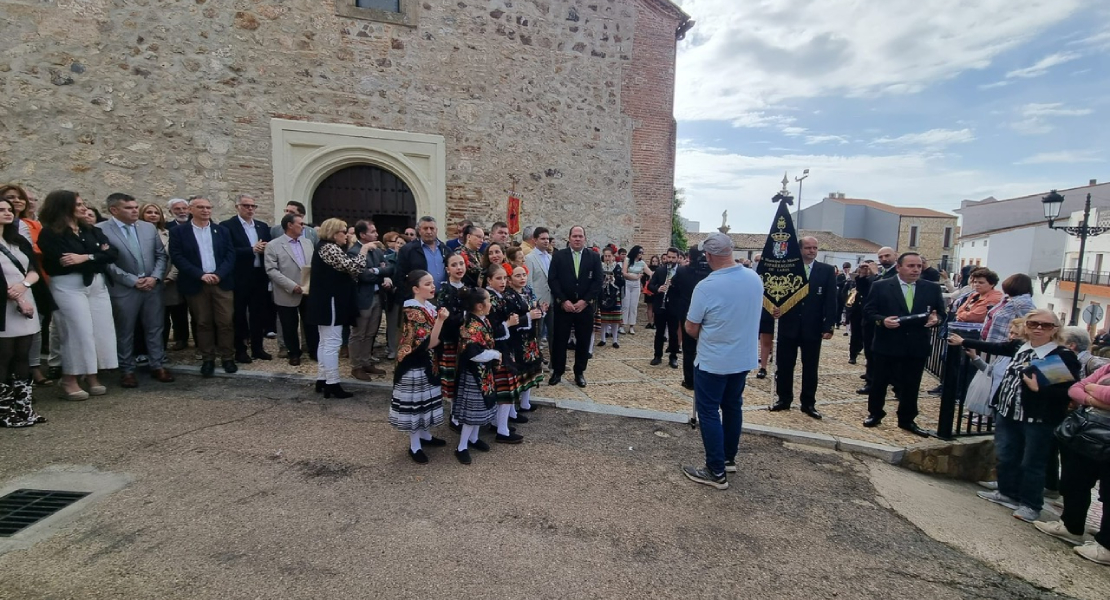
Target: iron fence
955	371
1087	276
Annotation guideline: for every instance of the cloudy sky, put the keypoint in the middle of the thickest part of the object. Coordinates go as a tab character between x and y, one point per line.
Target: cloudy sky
909	102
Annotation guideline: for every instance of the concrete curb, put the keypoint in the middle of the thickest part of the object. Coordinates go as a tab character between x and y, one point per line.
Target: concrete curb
890	454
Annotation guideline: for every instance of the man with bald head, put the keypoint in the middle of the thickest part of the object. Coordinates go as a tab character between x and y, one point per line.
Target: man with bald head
803	328
887	262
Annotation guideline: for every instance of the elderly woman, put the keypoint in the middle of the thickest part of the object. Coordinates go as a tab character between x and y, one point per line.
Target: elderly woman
75	255
331	299
1032	399
177	311
19	320
982	298
1080	474
1018	301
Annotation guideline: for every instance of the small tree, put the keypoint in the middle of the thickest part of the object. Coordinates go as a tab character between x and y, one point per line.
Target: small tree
678	232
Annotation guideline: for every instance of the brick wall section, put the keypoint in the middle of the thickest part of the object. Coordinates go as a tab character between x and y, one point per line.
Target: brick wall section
169	98
647	97
930	237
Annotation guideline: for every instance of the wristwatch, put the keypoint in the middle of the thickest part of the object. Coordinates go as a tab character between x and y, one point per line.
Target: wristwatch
26	284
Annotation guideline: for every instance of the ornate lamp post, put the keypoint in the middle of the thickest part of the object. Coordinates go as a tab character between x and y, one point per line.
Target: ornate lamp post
1052	204
805	174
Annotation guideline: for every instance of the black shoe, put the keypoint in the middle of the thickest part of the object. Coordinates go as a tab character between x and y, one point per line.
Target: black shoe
673	363
571	344
434	442
336	390
914	429
527	410
480	445
936	391
780	405
872	421
811	411
852	360
518	419
863	376
208	368
457	428
616	346
230	367
463	456
419	457
688	385
54	373
242	358
655	362
580	380
761	374
320	383
512	438
864	391
600	344
262	355
493	428
555	379
649	326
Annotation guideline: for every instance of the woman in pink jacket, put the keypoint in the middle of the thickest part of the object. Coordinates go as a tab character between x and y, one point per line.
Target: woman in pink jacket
1080	475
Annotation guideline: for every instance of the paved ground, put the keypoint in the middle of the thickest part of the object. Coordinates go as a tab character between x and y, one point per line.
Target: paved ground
247	492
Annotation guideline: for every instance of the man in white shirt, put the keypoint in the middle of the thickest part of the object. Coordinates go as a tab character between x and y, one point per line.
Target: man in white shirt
724	317
253	313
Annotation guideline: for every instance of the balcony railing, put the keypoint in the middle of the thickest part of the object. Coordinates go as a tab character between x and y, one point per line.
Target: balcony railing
1087	276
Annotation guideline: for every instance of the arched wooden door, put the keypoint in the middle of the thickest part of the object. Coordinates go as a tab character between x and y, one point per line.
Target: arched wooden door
365	192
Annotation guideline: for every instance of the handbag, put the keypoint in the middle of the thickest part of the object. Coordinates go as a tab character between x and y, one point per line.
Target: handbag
977	399
1086	431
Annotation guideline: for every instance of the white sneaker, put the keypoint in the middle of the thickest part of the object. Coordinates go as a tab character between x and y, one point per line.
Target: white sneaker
999	498
730	466
1027	514
620	329
1094	552
631	331
1057	530
990	485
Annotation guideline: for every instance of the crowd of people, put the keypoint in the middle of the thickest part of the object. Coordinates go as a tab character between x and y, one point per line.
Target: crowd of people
469	321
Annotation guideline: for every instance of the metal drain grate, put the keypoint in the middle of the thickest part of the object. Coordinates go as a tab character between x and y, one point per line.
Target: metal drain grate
23	508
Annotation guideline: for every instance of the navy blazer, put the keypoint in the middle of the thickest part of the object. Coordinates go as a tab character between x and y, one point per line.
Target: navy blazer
185	255
244	253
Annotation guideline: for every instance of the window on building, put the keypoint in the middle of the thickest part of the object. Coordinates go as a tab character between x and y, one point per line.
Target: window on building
972	244
947	237
985	243
398	12
978	262
945	263
913	236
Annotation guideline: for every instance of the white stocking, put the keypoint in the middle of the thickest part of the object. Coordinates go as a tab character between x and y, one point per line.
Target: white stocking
512	411
474	433
425	434
503	419
464	437
526	399
414	441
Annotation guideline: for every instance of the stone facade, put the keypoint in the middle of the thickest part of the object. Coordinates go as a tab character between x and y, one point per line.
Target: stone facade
969	459
571	101
930	237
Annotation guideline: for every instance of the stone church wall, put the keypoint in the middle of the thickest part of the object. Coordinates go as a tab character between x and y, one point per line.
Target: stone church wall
572	100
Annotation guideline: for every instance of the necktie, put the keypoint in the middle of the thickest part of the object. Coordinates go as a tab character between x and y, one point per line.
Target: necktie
577	262
809	267
909	297
133	243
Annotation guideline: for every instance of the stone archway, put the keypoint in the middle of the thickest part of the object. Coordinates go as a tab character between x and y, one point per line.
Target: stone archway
307	153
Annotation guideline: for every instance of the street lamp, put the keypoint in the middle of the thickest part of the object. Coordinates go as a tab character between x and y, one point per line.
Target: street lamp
805	174
1052	204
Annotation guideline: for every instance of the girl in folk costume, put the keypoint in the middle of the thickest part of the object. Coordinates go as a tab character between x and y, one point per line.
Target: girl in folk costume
447	354
417	404
471	252
529	360
494	255
475	397
503	322
609	302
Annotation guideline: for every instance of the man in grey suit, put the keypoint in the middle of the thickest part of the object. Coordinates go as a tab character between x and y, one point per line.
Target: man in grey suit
283	260
538	262
136	289
369	304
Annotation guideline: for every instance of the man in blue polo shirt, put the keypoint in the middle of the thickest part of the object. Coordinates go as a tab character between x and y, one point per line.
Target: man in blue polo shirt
724	318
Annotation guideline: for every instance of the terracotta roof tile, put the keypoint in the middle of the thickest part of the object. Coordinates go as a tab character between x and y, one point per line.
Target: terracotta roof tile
905	211
826	241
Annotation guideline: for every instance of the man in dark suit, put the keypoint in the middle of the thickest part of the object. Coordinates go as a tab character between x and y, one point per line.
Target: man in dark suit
575	278
886	269
686	278
426	253
666	319
369	319
249	237
901	346
804	327
205	260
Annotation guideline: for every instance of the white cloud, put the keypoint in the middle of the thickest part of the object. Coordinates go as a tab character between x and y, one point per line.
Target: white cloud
1042	66
824	139
793	131
1063	157
933	139
1034	117
751	57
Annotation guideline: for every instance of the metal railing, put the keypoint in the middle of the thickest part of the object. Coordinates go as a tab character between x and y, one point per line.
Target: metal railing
955	371
1087	276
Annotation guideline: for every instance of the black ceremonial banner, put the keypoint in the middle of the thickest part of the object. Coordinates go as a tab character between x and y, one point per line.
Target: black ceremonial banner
782	270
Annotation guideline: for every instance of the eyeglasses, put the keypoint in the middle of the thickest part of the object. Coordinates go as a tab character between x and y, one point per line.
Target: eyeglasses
250	206
1039	325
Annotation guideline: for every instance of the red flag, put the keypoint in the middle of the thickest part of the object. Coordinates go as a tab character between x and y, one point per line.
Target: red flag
514	215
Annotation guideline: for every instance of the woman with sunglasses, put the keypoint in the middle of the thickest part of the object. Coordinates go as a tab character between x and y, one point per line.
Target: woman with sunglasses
1031	400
